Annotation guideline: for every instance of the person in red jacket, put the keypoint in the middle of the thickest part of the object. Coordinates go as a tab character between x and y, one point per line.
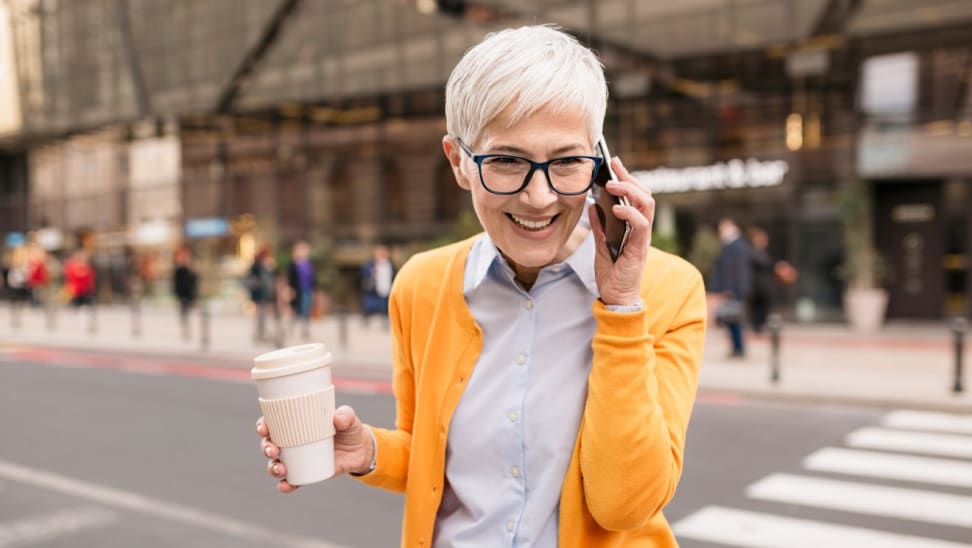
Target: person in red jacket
79	279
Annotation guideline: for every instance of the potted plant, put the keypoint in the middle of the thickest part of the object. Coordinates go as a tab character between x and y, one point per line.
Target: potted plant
863	268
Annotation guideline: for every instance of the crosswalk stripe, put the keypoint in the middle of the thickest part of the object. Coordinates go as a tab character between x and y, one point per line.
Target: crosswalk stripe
878	500
758	530
928	420
891	466
946	445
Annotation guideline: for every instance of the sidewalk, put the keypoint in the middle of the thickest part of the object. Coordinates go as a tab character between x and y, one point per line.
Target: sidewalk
905	365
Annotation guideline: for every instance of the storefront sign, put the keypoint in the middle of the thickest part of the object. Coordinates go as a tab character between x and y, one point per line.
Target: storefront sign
733	174
206	227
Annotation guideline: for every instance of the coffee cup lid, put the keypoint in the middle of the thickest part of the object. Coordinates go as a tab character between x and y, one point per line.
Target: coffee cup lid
290	361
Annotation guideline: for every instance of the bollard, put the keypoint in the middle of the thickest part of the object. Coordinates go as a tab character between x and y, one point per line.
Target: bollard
775	323
50	315
204	326
15	310
959	327
136	309
343	326
92	319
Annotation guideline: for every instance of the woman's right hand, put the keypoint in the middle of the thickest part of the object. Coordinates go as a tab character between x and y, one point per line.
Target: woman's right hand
353	448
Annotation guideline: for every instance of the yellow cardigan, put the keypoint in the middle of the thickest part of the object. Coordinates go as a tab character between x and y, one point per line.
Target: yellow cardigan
627	458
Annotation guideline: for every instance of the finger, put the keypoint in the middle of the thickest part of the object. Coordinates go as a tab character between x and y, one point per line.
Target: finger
636	195
621	171
261	428
276	469
270	450
285	487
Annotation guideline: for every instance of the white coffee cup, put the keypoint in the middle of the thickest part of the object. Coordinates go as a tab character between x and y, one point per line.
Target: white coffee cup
297	400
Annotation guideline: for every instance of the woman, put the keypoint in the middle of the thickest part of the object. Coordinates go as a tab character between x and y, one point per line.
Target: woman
543	391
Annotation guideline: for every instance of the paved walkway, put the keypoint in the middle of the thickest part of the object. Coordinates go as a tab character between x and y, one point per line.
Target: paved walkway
908	365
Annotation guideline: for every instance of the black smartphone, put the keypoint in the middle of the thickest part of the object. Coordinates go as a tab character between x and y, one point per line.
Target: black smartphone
615	230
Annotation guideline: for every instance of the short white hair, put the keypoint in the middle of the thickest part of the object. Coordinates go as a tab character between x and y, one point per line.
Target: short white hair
528	69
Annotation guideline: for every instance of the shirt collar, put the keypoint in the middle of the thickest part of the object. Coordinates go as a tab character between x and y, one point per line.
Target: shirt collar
581	262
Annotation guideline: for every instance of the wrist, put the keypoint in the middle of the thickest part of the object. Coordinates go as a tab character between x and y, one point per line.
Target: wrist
370	454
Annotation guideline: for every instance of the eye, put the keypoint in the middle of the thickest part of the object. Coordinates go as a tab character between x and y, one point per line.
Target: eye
504	161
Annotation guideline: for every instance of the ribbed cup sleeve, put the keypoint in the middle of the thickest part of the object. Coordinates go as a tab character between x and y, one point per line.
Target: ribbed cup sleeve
300	420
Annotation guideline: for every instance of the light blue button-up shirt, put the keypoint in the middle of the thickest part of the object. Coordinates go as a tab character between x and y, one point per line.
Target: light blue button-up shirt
513	432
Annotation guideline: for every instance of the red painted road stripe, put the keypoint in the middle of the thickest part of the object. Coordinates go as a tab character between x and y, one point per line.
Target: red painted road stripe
145	366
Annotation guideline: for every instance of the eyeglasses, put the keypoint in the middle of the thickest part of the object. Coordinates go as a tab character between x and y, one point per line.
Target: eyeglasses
506	174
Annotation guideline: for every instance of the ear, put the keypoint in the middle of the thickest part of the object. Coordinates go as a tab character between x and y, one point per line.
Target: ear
455	155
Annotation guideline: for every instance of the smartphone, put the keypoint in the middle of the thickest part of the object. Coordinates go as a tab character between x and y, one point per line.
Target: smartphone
615	230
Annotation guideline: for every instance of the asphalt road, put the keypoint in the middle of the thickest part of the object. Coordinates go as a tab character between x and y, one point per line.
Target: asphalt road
122	455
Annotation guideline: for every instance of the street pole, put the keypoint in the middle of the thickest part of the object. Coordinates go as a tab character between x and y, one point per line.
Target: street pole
959	327
204	325
136	310
14	313
775	324
343	326
50	316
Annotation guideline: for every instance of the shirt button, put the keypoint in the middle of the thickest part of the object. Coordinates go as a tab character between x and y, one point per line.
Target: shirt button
529	305
513	416
521	359
557	269
509	526
516	471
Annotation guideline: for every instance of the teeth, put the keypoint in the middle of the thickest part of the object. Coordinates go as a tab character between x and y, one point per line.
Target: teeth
532	225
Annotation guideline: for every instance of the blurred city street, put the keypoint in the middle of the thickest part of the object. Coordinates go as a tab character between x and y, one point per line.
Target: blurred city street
858	429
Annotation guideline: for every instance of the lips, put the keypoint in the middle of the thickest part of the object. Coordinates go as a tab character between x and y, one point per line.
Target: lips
532	224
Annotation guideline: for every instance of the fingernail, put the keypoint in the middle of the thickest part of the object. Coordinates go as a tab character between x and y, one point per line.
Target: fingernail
276	469
266	451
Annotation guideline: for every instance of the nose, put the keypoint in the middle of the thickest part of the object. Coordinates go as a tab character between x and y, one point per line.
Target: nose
538	194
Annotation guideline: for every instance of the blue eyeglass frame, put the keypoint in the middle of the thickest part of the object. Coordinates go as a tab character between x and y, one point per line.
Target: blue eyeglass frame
534	166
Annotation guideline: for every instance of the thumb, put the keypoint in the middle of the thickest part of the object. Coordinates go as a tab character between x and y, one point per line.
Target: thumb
345	419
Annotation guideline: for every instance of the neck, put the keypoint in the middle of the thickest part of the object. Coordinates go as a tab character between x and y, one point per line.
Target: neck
527	276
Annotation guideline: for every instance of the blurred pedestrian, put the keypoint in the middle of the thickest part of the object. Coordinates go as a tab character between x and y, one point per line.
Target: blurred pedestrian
38	276
185	286
301	278
79	284
543	390
376	282
768	277
260	282
18	271
148	272
732	281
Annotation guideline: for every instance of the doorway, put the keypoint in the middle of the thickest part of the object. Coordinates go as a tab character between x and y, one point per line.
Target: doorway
910	234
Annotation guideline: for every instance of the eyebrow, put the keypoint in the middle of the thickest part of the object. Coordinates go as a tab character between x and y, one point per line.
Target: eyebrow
521	152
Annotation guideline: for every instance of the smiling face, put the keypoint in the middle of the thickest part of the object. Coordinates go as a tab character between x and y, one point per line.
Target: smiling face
530	228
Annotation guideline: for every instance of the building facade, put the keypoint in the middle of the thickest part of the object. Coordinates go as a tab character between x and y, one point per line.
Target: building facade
296	124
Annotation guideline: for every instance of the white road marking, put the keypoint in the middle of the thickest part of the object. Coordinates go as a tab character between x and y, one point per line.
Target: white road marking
863	498
37	529
757	530
155	508
946	445
928	420
873	464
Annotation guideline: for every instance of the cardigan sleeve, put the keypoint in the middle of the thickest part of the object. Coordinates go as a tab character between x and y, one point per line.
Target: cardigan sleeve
640	395
394	446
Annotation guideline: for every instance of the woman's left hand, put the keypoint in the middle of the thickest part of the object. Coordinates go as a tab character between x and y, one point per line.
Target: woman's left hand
620	282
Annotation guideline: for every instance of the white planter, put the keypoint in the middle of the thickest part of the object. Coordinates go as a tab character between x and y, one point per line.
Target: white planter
865	308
